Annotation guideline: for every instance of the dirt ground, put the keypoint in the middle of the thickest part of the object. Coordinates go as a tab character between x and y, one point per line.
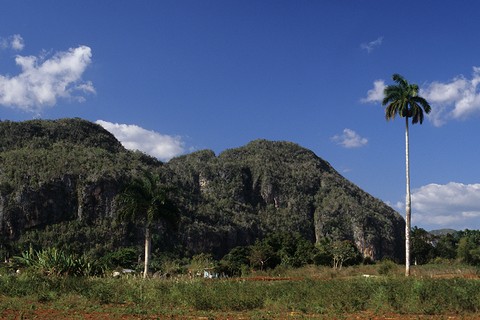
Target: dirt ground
42	314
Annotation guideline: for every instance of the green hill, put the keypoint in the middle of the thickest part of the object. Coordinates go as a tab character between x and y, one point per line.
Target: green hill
59	180
269	186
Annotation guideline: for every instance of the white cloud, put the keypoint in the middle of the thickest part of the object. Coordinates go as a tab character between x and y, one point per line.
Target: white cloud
370	46
43	81
457	99
133	137
375	94
14	42
17	42
452	205
349	139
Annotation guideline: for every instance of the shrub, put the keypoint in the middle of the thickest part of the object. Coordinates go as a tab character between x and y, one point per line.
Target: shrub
123	257
55	262
235	261
385	267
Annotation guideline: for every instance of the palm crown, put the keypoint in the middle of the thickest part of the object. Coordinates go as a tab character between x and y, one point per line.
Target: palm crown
403	99
145	199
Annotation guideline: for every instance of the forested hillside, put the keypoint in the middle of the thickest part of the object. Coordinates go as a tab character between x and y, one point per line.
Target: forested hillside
59	181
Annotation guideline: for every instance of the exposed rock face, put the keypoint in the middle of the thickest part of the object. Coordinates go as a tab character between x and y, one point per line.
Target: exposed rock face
56	201
66	170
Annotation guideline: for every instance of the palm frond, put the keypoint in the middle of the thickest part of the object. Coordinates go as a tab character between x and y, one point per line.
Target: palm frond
145	199
400	80
403	99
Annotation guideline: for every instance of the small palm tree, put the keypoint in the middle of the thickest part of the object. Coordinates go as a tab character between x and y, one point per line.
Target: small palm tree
403	99
145	200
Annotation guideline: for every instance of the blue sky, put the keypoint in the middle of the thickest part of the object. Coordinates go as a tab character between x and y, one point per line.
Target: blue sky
171	77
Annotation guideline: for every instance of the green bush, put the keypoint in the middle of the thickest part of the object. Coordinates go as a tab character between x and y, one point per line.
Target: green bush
123	257
235	262
55	262
385	267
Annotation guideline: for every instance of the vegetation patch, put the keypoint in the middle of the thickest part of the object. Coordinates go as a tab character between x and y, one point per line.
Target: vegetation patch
315	294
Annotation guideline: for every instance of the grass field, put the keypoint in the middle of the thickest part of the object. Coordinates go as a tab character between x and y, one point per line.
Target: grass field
361	292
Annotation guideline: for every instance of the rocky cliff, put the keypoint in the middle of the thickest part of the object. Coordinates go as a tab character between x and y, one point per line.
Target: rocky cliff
55	174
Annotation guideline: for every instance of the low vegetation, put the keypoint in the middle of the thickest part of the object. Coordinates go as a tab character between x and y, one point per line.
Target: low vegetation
279	249
311	291
296	279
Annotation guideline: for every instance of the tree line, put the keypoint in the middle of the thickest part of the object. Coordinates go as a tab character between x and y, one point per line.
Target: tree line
459	246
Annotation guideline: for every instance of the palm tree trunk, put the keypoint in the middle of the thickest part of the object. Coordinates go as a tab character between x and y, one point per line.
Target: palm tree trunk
408	205
148	246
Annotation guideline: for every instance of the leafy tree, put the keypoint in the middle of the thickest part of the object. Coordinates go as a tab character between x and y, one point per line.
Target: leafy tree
262	255
146	200
468	250
403	99
342	251
233	262
288	249
446	246
322	254
422	246
123	257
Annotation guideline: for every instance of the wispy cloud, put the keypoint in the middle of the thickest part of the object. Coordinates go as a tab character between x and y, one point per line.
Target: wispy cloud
14	42
42	81
452	205
456	99
349	139
133	137
372	45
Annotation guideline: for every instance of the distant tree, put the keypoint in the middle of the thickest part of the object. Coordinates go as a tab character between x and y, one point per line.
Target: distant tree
322	254
287	249
446	246
233	262
403	99
291	249
468	250
422	246
146	200
122	257
342	251
262	256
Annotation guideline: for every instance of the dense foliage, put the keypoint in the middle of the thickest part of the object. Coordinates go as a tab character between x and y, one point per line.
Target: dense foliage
462	246
60	181
38	134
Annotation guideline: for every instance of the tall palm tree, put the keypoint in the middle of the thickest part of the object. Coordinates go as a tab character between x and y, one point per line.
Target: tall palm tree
403	99
145	200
